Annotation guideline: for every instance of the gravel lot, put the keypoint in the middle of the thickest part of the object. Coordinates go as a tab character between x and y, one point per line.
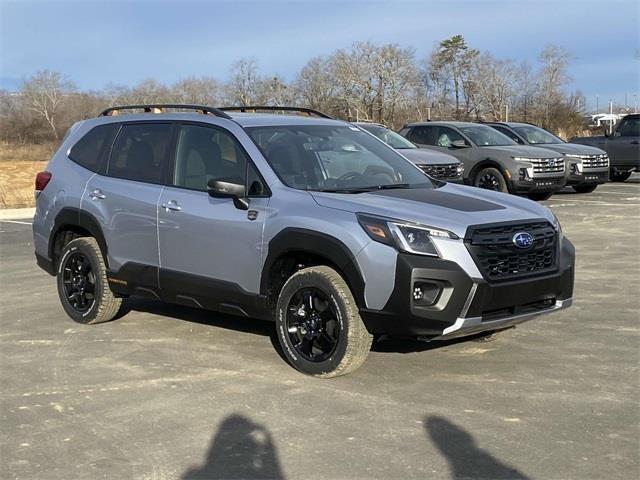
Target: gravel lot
170	392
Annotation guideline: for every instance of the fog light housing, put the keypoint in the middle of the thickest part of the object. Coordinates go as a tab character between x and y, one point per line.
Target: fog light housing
426	294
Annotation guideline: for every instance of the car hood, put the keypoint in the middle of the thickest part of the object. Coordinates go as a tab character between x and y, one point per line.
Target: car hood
521	151
452	207
424	156
573	149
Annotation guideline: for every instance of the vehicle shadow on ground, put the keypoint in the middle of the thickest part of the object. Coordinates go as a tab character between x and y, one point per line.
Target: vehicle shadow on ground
240	449
266	328
465	458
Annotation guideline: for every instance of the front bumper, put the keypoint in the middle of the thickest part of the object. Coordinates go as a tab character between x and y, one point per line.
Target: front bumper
537	184
466	305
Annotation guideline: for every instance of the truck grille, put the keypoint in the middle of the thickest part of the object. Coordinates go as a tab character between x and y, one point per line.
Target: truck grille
595	161
441	172
548	165
497	257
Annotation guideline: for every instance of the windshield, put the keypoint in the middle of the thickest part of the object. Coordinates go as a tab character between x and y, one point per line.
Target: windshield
334	158
389	137
484	136
537	136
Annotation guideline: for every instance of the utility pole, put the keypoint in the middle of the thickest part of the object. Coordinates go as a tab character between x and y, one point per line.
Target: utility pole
610	118
506	112
635	104
597	104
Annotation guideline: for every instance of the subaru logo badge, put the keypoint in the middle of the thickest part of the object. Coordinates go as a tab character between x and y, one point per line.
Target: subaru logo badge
523	240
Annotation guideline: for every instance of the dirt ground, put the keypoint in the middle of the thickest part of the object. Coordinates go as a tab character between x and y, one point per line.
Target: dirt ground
18	167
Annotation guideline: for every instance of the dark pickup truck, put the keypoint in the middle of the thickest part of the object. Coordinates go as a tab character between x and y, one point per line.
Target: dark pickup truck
622	145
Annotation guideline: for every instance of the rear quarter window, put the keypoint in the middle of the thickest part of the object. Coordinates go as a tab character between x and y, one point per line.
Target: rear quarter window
91	150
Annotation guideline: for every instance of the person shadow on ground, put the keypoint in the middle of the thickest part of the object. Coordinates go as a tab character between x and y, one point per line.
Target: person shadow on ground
465	458
240	449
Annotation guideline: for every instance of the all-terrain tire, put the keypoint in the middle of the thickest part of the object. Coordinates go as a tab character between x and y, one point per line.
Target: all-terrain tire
353	341
104	305
585	188
619	176
540	196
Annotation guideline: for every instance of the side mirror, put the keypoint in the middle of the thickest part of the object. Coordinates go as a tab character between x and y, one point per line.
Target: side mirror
459	144
229	189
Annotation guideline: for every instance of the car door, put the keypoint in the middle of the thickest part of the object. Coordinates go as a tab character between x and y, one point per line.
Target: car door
209	247
124	200
624	146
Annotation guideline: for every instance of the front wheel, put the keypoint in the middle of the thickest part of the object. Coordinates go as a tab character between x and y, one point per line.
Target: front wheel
540	196
319	326
82	283
490	179
585	188
619	176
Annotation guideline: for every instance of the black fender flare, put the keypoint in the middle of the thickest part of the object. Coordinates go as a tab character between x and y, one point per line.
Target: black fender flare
70	218
316	243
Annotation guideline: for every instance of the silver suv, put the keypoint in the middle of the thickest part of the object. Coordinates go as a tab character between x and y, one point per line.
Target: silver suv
438	165
301	219
492	160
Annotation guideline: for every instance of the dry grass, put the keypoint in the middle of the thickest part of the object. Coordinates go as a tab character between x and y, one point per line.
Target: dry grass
17	183
26	153
18	167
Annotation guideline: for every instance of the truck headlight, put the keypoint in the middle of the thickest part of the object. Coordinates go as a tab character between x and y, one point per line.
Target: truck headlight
523	159
575	155
405	236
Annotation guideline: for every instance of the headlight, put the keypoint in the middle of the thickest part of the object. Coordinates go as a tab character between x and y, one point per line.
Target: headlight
556	223
523	159
460	169
406	237
575	155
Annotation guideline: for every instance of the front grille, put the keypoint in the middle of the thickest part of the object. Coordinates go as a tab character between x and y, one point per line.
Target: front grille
548	165
497	257
595	161
441	172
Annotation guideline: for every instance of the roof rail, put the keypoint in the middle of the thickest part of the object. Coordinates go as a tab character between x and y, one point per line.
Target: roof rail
149	108
254	108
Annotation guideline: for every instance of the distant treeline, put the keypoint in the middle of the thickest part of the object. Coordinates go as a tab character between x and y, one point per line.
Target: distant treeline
381	83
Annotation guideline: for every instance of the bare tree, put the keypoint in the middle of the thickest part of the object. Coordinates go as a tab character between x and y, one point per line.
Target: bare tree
198	91
243	82
552	77
44	94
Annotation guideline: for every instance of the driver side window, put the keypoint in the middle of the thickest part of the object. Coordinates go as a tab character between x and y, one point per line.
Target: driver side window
446	136
204	153
629	127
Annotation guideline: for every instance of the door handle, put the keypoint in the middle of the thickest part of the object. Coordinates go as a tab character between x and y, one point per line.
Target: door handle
97	195
171	205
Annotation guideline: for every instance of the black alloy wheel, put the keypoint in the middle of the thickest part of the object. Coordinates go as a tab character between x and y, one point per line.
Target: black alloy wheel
79	282
312	324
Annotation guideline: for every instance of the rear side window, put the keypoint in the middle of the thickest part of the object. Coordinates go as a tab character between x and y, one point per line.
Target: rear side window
420	135
140	151
91	150
508	133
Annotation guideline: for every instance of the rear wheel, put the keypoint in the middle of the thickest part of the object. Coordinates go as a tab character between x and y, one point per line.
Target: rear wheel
319	326
82	283
540	196
619	176
490	179
585	188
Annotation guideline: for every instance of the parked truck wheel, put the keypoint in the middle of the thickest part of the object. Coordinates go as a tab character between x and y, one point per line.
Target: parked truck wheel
619	176
585	188
540	196
490	179
318	323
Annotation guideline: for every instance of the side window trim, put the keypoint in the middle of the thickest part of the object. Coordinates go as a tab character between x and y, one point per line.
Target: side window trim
173	152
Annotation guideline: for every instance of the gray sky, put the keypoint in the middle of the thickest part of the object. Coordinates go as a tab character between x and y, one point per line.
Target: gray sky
95	43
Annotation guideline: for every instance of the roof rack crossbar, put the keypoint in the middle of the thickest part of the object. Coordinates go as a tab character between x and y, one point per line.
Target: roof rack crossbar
149	108
246	108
